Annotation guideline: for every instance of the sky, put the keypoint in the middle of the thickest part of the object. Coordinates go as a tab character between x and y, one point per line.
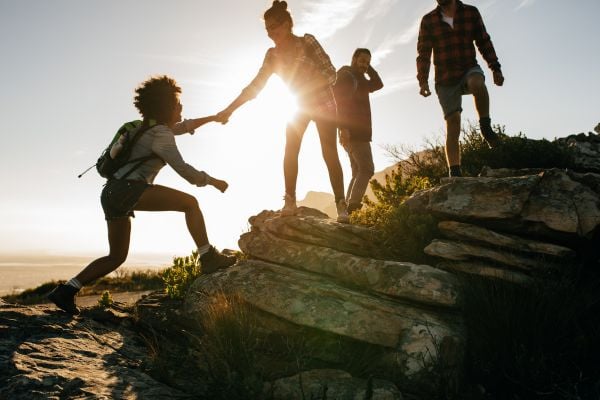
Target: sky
69	69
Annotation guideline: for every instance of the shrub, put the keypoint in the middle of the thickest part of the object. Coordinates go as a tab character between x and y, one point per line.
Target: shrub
231	346
400	233
105	300
180	275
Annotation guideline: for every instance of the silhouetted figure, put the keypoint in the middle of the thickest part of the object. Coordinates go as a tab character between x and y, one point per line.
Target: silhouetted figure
450	31
305	67
157	100
352	91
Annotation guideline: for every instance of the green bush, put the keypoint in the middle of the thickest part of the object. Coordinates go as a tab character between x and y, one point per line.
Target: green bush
231	347
105	300
181	274
400	233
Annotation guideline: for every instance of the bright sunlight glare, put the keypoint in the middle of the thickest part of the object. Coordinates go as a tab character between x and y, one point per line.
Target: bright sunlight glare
278	99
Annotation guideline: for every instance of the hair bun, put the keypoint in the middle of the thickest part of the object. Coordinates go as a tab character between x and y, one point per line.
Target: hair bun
282	5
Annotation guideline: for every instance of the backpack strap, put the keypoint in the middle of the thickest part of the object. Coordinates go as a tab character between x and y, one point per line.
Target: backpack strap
139	160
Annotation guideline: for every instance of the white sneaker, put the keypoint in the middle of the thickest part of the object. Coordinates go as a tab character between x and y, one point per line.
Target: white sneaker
342	211
289	207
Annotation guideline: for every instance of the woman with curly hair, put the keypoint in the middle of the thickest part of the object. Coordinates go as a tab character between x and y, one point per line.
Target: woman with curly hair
303	64
157	100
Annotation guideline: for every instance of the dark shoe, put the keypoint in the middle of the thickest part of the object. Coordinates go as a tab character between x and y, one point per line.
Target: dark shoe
64	298
213	261
490	137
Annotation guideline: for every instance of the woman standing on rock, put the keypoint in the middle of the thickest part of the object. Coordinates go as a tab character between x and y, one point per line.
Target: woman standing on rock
157	100
303	64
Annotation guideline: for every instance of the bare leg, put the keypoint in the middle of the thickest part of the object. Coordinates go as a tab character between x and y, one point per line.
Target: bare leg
452	136
476	86
118	239
294	132
328	135
162	198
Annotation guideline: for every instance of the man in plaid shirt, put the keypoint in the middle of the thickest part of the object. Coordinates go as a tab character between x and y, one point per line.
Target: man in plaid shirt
449	31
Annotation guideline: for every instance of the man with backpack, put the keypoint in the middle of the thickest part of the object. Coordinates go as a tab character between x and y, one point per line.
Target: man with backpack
131	186
353	86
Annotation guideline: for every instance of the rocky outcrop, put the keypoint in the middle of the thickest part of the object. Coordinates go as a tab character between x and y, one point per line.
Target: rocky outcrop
310	272
45	354
586	149
512	224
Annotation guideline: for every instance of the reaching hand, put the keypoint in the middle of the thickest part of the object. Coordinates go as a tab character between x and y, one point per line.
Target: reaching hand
223	116
425	92
219	184
498	78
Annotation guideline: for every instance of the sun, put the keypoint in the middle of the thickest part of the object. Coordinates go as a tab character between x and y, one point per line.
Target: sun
278	101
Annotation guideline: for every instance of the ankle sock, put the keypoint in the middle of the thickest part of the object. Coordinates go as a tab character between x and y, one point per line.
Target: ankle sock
203	249
75	283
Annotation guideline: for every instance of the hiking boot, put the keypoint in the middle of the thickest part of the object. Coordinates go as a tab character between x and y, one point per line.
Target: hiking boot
491	138
342	211
64	298
289	207
213	260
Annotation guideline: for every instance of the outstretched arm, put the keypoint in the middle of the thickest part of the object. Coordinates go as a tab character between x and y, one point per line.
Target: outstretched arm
250	91
190	125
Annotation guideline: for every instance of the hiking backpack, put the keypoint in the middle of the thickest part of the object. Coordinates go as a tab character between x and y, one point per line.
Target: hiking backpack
116	155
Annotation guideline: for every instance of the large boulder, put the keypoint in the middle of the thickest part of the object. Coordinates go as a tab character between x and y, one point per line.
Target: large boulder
307	272
550	203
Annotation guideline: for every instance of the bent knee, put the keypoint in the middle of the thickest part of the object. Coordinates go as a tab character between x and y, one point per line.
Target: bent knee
117	259
453	118
476	83
189	203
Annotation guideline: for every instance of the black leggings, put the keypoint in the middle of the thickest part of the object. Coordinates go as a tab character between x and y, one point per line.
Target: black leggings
328	135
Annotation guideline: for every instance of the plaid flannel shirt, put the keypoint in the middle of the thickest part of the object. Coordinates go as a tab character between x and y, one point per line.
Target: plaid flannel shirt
453	50
307	70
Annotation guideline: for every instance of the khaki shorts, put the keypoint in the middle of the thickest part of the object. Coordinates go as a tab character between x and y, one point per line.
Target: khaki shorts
450	97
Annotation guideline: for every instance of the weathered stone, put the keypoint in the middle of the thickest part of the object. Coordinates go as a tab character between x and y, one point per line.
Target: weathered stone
589	179
458	251
469	232
309	300
410	282
477	198
330	384
486	271
550	203
563	205
317	230
49	355
586	150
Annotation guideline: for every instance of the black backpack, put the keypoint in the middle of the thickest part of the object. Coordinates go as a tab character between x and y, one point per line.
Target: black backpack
125	138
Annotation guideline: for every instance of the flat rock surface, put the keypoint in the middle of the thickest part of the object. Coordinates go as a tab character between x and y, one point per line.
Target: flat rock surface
47	354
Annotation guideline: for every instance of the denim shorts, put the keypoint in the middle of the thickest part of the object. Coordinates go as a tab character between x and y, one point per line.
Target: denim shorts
450	96
119	197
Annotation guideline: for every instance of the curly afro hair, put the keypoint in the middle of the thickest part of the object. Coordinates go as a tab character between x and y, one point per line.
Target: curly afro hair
157	97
